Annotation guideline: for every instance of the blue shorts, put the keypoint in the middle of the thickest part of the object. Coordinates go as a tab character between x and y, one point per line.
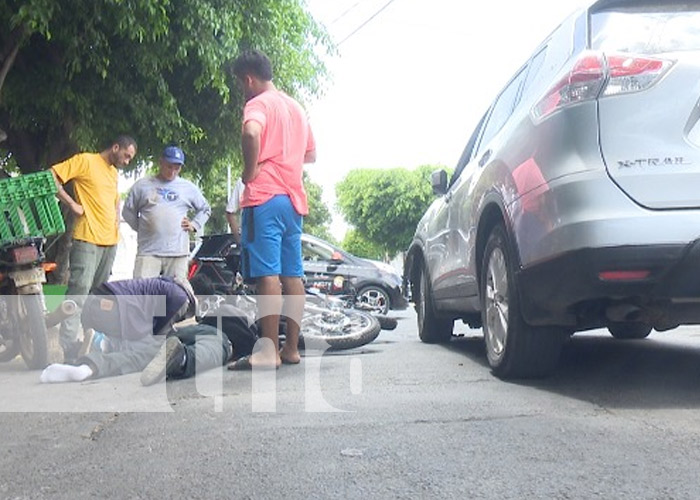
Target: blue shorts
271	238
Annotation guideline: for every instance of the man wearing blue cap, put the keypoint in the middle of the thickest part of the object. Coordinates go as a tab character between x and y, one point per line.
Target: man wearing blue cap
164	210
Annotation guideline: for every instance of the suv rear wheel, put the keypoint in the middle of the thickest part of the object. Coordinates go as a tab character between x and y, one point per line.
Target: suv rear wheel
629	331
431	328
514	349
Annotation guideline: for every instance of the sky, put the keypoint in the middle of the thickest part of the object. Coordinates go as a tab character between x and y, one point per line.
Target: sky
408	87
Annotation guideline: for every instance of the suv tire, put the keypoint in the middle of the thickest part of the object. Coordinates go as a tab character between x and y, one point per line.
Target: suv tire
431	328
514	349
629	331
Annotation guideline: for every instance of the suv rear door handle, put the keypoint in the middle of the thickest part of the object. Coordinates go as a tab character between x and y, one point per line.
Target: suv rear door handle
485	157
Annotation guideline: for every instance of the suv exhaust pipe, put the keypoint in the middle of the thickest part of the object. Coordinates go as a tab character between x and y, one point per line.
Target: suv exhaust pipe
623	312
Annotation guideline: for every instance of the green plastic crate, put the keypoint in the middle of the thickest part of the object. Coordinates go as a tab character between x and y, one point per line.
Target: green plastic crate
29	208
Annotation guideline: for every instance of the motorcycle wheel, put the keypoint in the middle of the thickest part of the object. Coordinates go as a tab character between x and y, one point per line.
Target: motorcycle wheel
33	341
9	347
8	351
337	330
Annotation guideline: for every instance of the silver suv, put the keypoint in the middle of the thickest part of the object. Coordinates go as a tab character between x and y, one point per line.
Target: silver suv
576	202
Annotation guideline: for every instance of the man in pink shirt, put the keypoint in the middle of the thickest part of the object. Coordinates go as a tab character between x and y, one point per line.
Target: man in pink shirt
276	142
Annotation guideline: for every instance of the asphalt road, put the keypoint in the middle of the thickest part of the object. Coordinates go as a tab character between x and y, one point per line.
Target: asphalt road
395	419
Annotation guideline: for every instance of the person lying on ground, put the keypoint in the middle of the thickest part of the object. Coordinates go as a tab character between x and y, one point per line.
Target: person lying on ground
138	319
240	327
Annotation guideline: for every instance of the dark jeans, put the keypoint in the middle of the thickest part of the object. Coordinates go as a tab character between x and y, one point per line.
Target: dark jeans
205	346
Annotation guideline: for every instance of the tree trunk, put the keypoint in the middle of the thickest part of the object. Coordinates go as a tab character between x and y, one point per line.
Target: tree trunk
9	53
25	148
60	146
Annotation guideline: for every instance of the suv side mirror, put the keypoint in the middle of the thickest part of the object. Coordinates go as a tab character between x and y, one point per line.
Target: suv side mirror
438	181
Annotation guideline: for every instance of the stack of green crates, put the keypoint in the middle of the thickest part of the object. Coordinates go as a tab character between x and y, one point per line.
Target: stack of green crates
29	207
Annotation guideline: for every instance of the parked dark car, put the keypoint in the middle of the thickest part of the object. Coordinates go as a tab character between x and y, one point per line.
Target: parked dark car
575	204
326	267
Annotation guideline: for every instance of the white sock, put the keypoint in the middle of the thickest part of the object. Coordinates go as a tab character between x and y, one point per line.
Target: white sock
58	372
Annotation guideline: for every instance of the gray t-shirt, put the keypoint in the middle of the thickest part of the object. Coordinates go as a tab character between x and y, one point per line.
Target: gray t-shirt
154	209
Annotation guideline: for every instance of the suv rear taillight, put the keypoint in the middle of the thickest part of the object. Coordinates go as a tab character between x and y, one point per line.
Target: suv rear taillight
597	74
631	74
582	83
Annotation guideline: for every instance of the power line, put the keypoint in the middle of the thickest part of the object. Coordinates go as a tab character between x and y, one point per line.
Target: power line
345	13
365	23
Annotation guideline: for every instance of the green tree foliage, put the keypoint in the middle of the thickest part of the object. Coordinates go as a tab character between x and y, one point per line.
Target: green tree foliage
78	72
358	245
214	187
386	205
317	222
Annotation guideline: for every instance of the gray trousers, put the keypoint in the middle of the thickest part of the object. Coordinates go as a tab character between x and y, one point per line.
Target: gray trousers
90	265
152	266
205	348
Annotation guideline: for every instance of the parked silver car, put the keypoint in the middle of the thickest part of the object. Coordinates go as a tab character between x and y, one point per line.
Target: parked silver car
576	202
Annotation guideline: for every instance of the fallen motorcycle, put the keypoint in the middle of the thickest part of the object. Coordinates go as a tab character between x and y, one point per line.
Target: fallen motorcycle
327	322
218	258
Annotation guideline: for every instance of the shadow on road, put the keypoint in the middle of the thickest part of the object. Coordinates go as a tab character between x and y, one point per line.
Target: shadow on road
657	372
651	373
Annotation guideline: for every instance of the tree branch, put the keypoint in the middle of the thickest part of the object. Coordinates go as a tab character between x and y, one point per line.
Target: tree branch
17	37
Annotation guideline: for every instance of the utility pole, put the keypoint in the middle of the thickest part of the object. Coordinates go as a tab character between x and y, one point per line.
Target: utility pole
228	182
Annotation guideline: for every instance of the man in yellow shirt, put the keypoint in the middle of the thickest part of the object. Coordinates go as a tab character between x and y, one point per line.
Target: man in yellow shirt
96	232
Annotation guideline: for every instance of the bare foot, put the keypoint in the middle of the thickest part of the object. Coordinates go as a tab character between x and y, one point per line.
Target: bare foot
265	359
265	356
290	358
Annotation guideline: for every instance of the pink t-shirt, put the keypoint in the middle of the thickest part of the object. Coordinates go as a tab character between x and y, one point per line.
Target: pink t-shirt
285	139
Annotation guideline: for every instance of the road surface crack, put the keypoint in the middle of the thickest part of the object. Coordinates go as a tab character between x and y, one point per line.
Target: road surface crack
475	419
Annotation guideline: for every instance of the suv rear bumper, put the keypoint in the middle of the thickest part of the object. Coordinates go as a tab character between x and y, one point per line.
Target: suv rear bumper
569	291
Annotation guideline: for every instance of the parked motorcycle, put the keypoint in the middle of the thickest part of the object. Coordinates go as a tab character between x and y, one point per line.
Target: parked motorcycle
29	212
22	307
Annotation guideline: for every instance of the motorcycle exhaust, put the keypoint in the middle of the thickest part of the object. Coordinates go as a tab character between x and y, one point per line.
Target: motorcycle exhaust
67	309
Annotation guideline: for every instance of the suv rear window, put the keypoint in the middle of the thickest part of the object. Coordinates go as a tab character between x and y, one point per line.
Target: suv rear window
647	29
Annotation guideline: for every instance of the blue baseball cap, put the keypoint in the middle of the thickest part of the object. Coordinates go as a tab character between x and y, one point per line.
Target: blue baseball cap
173	154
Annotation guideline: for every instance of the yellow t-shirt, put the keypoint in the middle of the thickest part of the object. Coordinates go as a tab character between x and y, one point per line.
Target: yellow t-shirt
96	189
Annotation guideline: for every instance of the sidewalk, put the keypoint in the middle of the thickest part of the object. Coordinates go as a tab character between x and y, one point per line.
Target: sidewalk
21	391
